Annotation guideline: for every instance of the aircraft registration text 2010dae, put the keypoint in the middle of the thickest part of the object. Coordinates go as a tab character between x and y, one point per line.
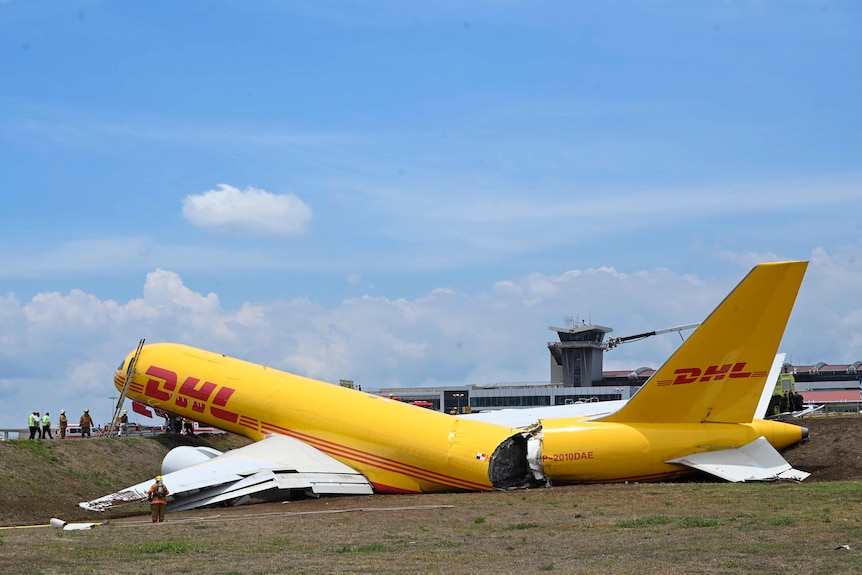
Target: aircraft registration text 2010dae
697	412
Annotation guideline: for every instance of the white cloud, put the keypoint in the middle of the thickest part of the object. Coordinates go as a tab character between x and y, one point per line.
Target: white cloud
47	311
827	317
250	211
11	314
164	288
91	375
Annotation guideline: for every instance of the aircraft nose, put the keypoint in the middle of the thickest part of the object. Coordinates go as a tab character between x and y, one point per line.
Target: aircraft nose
804	433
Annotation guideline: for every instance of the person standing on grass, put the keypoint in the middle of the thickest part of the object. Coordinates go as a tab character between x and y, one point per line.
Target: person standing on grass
86	423
157	495
124	425
33	424
46	426
64	423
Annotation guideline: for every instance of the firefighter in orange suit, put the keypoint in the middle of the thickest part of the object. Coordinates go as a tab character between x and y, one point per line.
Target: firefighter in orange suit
86	423
64	423
158	495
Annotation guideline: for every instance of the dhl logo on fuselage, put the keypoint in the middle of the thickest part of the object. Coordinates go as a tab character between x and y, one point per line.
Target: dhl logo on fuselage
190	394
685	375
163	386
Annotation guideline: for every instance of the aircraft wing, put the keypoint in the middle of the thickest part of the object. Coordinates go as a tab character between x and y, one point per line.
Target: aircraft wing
525	417
277	462
755	461
520	418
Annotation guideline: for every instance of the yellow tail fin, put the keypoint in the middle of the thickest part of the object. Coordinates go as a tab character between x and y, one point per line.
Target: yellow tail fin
718	374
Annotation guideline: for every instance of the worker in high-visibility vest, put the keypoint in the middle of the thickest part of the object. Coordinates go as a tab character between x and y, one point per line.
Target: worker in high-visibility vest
33	424
157	495
46	426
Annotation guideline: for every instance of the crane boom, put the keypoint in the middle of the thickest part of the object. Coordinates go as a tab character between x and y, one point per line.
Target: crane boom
615	341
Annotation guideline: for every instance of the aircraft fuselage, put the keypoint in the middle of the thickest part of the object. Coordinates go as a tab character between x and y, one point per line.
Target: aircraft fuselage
401	448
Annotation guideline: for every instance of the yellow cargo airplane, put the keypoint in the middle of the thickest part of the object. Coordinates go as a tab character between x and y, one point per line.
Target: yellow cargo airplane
696	412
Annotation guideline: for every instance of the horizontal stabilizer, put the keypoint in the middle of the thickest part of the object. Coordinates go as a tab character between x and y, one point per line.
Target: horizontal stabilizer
755	461
277	462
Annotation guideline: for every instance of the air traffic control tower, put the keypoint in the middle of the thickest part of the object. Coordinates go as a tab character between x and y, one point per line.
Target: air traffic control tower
576	360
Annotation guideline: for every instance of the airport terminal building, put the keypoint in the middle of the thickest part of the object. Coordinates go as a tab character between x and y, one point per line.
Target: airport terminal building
576	375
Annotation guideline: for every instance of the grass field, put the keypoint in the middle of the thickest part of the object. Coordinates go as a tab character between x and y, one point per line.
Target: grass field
613	529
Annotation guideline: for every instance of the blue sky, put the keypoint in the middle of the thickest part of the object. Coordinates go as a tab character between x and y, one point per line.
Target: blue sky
411	193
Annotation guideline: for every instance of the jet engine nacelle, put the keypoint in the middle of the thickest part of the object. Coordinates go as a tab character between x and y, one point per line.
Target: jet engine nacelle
186	456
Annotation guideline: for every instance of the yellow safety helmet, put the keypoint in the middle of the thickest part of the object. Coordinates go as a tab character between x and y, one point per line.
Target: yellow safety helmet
124	411
158	478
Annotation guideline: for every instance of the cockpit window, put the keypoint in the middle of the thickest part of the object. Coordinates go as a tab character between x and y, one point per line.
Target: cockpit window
122	363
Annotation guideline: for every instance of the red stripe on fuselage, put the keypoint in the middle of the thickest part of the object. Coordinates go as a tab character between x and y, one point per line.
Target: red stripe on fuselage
352	454
348	453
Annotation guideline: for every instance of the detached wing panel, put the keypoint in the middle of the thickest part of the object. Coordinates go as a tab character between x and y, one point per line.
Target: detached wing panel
755	461
276	462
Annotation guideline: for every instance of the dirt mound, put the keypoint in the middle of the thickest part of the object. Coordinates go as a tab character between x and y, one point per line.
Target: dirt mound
44	479
832	451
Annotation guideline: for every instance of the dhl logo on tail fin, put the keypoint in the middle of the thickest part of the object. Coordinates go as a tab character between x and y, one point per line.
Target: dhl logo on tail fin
718	374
